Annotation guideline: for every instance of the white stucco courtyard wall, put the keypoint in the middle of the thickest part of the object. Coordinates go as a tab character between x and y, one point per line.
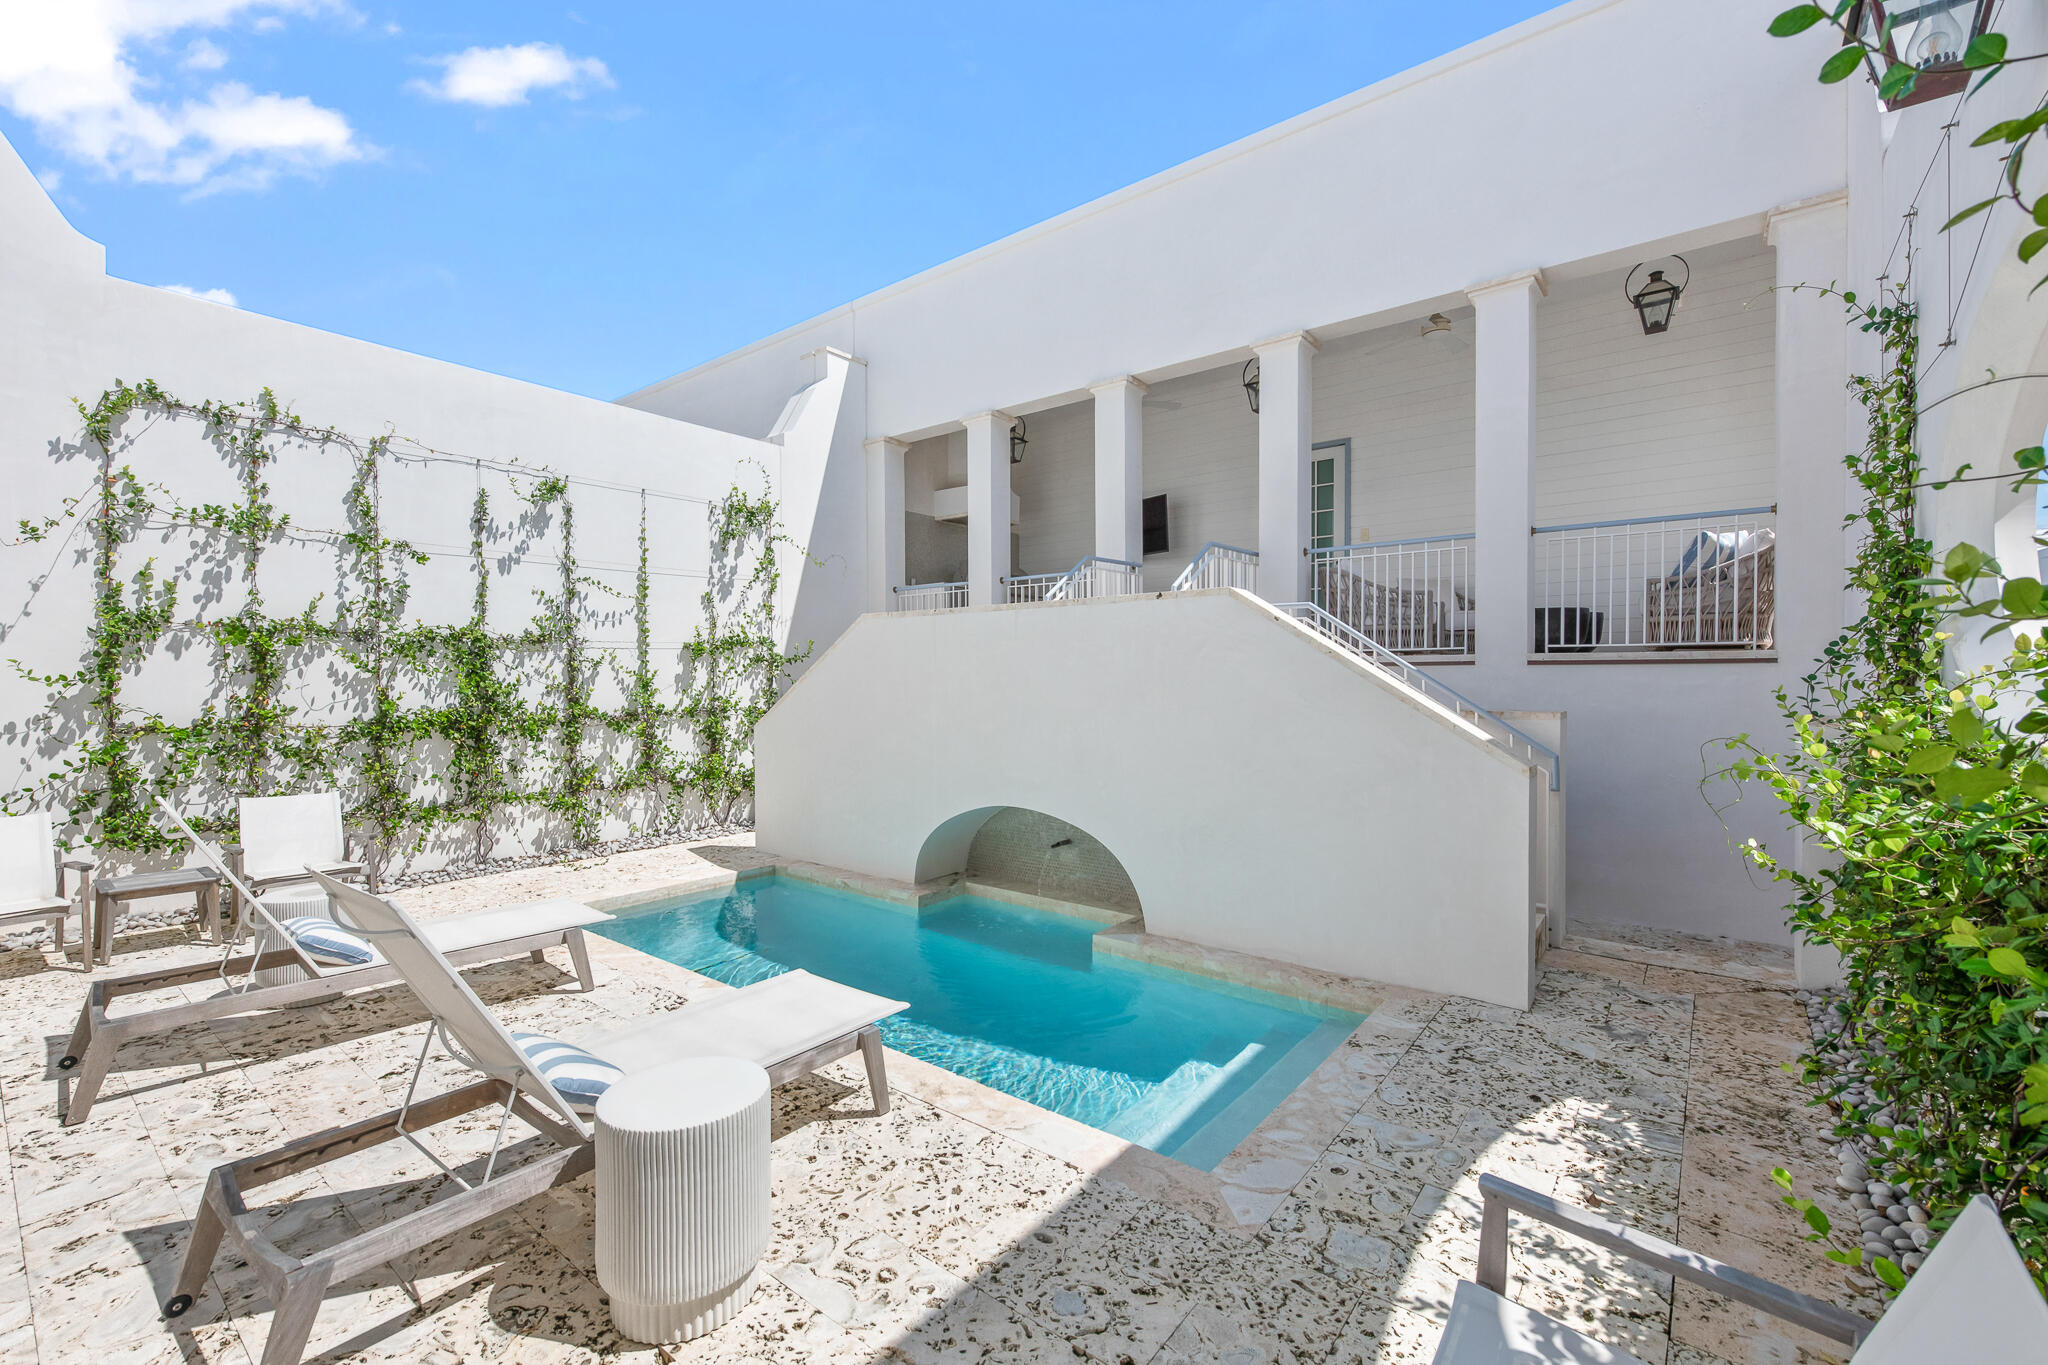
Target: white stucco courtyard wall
68	331
1213	746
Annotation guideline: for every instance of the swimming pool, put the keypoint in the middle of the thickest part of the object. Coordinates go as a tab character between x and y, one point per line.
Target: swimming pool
1018	999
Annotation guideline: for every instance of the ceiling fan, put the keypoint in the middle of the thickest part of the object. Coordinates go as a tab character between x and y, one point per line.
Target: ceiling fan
1438	335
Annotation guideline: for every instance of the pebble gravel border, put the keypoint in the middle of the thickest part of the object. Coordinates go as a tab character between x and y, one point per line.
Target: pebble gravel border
1890	1222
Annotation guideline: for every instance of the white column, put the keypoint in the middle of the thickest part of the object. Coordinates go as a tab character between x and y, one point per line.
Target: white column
1119	469
988	506
1812	360
885	519
1503	441
1285	372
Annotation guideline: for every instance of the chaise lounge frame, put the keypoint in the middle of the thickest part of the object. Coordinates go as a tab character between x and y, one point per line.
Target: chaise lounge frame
99	1035
297	1285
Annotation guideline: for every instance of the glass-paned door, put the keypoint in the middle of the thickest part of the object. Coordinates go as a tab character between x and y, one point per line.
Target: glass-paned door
1329	505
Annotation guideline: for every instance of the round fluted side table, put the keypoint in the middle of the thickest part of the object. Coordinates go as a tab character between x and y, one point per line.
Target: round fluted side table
682	1195
296	900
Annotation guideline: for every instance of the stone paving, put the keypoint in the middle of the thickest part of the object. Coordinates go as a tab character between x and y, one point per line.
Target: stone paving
1646	1083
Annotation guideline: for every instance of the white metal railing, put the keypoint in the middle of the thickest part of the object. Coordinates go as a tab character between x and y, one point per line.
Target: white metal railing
1707	580
1093	577
928	597
1347	637
1412	596
1220	566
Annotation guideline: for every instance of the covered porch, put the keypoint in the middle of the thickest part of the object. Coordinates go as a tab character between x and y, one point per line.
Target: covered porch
1524	469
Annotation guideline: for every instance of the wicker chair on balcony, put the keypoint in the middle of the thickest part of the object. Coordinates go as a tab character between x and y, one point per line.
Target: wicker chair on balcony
1721	595
1400	619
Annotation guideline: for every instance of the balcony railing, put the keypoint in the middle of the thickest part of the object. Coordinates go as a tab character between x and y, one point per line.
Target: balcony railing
1220	566
1704	581
1410	596
928	597
1092	577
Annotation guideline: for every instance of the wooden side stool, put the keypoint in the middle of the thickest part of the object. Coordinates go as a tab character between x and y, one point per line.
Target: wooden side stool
108	893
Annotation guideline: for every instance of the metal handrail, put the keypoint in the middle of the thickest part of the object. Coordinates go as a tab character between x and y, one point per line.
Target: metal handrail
929	596
1639	521
1521	745
1193	572
1381	544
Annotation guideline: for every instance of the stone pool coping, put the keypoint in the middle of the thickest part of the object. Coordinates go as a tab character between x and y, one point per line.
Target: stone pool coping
1249	1183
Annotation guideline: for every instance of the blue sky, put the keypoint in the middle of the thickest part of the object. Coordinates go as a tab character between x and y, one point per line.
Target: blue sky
594	198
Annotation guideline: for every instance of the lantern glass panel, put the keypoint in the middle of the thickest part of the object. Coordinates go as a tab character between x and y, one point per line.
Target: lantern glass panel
1653	302
1929	34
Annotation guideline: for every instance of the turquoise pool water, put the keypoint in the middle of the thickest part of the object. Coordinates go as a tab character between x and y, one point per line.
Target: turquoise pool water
1019	1000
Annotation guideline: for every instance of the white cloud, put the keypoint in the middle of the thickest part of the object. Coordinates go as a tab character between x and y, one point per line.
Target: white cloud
71	70
52	180
210	295
498	76
203	56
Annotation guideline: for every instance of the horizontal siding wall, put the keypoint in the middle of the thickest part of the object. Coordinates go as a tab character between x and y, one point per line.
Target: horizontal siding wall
1406	403
1202	452
1626	426
1056	484
1629	425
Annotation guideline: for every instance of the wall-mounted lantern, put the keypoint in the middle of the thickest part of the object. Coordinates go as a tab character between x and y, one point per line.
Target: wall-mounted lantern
1017	442
1656	299
1930	36
1250	380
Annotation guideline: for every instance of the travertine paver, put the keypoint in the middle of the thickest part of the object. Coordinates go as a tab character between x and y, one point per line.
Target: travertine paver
960	1227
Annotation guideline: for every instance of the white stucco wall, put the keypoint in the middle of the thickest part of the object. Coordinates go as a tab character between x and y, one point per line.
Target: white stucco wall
67	330
1594	128
1240	817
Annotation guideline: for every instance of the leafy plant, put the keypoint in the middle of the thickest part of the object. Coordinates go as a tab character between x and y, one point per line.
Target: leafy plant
251	739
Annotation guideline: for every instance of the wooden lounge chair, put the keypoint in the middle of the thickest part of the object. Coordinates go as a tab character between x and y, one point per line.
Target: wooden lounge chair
789	1025
479	936
281	836
1973	1300
32	870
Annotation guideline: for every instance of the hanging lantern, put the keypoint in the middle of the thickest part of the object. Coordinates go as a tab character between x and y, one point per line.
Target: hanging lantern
1657	298
1017	442
1932	37
1251	382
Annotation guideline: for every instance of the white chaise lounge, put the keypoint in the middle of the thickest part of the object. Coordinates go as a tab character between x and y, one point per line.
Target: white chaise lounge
789	1025
1973	1300
479	936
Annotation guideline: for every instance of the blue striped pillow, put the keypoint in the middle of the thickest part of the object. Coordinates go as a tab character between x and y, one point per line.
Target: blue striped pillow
327	943
576	1076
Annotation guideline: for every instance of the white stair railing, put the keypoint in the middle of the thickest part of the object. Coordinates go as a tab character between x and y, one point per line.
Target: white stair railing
1506	736
928	597
1220	566
1092	577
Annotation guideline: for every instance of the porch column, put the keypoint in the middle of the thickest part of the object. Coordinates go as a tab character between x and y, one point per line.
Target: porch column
1119	469
1503	442
988	506
885	519
1811	352
1285	371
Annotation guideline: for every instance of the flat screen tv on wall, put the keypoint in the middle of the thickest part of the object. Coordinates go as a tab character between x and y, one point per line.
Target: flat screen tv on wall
1155	525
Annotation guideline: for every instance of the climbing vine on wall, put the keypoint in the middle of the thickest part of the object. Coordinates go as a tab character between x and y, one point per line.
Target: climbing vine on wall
448	725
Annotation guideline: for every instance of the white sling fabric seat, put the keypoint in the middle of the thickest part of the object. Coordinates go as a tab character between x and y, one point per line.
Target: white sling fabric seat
789	1025
784	1021
784	1016
479	936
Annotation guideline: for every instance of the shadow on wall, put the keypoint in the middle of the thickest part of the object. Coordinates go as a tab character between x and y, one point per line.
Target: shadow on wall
1029	851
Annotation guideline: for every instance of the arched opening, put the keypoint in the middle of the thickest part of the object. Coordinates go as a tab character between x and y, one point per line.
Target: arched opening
1028	851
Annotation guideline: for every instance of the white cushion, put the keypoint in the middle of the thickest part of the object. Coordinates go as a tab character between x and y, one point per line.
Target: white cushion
576	1076
327	943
